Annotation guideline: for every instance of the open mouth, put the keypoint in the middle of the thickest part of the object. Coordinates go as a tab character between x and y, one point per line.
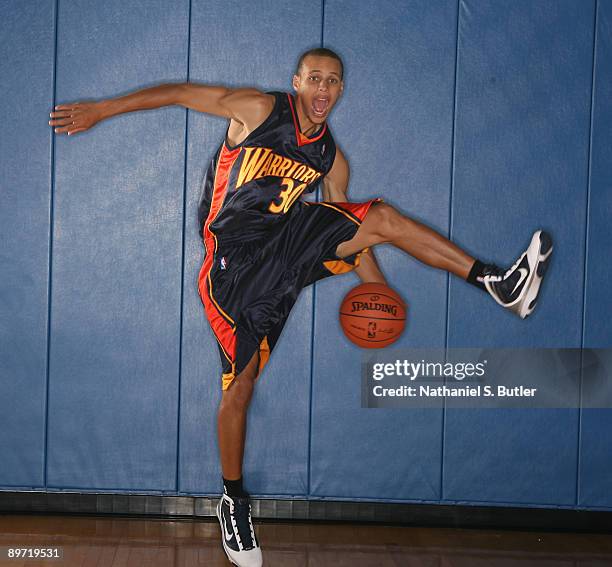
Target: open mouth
320	106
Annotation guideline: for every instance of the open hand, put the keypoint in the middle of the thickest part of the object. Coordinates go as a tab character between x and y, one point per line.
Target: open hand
75	117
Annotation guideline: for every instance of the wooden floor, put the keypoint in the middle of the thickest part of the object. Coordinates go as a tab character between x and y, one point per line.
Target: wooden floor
125	542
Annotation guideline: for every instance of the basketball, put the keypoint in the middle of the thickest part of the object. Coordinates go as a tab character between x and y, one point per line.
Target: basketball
373	315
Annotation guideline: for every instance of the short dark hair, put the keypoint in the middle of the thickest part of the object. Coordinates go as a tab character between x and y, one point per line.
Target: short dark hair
319	52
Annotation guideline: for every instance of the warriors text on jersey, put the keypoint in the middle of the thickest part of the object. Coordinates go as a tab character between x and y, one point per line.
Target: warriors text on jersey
263	243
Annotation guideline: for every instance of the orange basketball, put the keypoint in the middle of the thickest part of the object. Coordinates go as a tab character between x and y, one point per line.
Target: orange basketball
373	315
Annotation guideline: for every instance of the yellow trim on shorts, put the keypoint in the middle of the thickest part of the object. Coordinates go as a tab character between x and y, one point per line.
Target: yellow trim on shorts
221	310
338	266
224	351
264	356
342	267
338	209
227	379
210	287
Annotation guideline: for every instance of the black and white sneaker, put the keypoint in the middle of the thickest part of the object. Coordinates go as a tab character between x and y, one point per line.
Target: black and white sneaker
238	535
517	288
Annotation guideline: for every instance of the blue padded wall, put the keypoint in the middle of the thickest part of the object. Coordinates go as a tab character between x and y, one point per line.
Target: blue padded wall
265	56
521	162
117	240
598	301
596	446
484	119
25	195
395	126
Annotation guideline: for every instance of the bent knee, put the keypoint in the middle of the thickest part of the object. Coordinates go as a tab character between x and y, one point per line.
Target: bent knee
386	221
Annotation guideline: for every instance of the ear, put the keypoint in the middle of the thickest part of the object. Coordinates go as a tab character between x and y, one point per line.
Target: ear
295	82
341	87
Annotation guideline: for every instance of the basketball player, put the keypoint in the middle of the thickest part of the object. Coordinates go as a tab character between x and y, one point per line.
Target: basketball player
264	244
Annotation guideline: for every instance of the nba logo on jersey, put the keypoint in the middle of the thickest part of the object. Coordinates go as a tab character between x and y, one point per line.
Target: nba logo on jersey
223	263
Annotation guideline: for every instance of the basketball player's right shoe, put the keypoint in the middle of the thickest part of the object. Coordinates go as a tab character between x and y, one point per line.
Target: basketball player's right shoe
517	288
238	534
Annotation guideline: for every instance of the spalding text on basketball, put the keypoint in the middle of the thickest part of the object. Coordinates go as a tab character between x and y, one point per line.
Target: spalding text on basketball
383	307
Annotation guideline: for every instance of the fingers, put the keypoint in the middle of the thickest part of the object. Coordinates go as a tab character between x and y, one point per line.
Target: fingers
62	114
64	117
65	113
64	129
71	106
66	126
61	122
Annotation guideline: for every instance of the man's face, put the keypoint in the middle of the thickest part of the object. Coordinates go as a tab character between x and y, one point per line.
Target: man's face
318	87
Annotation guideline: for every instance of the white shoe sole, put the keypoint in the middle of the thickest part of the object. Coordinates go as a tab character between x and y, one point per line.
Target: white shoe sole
538	254
228	550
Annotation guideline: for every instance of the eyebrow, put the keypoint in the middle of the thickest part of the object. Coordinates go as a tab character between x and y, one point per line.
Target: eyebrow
319	71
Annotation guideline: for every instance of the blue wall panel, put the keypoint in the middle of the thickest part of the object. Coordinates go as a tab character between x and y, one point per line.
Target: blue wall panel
598	301
26	67
117	241
251	45
395	126
595	488
511	456
596	446
523	100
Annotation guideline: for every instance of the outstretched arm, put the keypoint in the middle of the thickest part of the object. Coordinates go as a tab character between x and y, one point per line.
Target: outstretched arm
335	184
246	108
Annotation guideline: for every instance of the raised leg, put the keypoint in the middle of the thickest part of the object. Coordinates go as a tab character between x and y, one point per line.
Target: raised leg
385	224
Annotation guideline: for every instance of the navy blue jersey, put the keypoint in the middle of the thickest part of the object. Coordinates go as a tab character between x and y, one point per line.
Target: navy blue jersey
249	188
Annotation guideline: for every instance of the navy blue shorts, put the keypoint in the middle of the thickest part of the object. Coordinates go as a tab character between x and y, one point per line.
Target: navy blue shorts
249	289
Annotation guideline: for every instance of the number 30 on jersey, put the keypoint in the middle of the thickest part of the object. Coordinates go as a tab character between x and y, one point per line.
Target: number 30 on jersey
287	196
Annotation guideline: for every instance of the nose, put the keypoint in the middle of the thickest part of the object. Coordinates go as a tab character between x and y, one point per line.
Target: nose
322	86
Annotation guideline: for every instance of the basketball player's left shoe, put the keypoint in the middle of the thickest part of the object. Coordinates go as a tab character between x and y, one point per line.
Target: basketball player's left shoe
517	288
238	535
